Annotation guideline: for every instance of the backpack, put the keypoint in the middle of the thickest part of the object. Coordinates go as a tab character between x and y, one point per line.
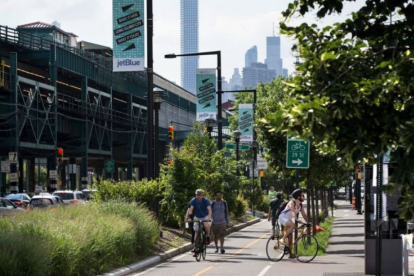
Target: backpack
225	206
283	206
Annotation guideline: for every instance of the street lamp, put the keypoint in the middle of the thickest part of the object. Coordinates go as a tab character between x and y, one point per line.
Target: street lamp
237	135
219	89
254	147
210	124
157	97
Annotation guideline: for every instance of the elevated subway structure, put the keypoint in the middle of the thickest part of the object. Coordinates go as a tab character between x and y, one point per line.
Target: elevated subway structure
53	95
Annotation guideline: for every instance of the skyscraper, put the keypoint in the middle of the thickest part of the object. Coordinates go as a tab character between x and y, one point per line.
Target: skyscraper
273	60
250	56
189	43
258	72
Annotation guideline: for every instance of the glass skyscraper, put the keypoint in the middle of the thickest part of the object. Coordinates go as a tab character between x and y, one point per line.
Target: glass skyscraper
189	43
250	57
273	59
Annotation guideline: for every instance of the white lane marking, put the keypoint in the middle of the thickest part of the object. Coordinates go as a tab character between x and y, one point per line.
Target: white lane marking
346	211
263	272
346	215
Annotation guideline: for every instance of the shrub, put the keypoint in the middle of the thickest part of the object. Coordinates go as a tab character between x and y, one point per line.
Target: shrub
322	217
265	204
240	207
75	240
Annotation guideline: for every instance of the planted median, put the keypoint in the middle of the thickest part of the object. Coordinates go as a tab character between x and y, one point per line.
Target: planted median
76	240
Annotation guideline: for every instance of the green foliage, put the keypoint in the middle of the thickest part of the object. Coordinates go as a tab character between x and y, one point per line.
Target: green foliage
76	240
265	204
197	165
240	207
143	191
322	217
323	237
353	89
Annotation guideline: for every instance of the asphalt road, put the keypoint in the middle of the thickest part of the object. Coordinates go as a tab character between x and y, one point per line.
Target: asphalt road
246	255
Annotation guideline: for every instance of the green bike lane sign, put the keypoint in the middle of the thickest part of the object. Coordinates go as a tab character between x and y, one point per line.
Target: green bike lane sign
297	154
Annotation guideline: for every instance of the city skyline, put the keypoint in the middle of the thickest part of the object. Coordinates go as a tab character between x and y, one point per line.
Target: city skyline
233	28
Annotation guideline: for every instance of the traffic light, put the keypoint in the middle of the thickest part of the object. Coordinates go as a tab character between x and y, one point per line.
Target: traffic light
60	155
171	133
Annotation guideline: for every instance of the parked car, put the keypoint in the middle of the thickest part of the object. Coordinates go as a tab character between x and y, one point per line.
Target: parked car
7	208
71	197
20	200
88	193
47	201
41	194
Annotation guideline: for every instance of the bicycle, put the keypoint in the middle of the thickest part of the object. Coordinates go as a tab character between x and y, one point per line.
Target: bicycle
298	146
276	229
200	248
305	246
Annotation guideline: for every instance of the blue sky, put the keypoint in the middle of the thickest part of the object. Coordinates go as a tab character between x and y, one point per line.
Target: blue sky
232	26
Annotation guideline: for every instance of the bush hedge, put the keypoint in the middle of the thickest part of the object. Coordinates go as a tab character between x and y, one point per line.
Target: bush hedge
76	240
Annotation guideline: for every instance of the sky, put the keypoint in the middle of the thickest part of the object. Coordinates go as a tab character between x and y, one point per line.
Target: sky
231	26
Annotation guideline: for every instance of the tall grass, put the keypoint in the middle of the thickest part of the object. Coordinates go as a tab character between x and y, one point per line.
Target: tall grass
75	240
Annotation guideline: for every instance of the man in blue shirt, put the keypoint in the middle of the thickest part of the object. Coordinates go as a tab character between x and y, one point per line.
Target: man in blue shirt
201	209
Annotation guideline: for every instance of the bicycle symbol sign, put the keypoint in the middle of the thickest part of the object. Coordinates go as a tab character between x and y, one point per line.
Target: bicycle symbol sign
297	155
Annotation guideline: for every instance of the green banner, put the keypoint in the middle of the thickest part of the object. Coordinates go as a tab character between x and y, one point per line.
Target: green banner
206	94
246	122
128	35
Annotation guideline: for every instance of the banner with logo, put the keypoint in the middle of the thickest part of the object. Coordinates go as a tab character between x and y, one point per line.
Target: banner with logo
206	94
128	35
246	122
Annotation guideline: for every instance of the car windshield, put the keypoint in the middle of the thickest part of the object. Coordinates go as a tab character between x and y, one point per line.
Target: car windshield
64	196
41	202
14	197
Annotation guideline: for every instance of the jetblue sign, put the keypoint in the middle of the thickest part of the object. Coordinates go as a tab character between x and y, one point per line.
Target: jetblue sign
128	35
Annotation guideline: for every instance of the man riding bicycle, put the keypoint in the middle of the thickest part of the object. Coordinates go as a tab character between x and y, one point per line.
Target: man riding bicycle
201	209
291	211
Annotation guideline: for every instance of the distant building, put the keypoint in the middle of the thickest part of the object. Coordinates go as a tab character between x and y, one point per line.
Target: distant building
250	56
285	72
236	81
258	72
273	59
189	43
50	32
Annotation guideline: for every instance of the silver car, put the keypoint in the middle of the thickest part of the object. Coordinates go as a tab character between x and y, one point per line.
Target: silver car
7	208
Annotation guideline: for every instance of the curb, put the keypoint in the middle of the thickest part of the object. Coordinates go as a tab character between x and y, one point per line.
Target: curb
168	254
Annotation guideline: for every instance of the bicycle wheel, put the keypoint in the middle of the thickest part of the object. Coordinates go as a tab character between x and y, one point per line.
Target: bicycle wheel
198	245
204	247
275	250
306	249
276	232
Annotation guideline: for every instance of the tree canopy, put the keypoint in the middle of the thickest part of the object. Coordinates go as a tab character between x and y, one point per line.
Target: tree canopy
353	92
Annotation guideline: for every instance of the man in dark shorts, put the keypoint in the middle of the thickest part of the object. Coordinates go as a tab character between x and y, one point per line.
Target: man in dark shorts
221	220
273	207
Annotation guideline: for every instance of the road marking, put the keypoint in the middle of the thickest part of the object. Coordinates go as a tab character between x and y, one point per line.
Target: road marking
263	272
250	244
346	215
205	270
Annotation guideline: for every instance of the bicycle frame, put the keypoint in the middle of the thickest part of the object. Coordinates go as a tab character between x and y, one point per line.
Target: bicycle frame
302	232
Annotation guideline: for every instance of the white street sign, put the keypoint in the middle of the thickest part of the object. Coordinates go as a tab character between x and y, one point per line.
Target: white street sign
52	174
261	162
13	157
5	166
14	177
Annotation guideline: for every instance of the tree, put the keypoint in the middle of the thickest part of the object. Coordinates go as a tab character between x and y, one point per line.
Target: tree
353	91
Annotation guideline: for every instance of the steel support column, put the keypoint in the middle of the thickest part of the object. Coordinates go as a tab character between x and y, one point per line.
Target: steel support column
131	142
14	135
85	135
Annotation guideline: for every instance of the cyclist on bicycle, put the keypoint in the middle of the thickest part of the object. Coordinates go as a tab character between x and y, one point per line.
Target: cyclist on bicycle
201	209
291	211
273	207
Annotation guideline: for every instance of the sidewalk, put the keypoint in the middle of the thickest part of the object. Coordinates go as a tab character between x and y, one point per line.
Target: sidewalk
346	245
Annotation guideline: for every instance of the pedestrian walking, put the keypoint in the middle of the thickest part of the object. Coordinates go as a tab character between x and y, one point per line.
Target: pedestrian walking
221	220
272	193
190	223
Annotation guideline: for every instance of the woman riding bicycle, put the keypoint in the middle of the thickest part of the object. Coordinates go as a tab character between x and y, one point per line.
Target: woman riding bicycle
291	211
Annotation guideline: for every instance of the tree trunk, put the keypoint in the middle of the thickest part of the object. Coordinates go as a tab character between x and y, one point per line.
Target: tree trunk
314	221
317	205
309	197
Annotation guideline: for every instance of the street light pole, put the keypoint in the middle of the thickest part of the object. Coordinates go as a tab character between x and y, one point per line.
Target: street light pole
150	74
237	135
254	146
209	125
219	90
